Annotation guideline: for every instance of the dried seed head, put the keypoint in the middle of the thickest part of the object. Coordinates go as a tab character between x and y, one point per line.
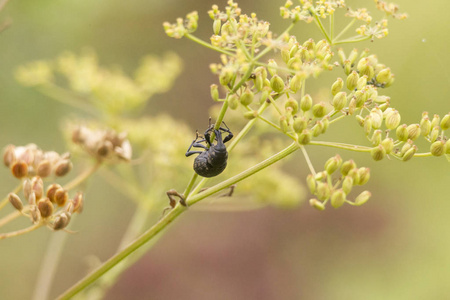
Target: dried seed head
15	201
61	221
61	196
51	190
44	168
35	214
8	155
19	169
63	167
77	202
45	207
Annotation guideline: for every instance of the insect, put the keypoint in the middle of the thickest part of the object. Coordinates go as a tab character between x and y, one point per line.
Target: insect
213	160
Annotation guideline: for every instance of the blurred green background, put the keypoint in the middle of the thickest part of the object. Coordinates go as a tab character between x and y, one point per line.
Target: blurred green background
395	247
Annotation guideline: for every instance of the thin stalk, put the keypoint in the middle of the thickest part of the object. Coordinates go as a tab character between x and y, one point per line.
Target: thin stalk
337	119
191	183
82	177
353	40
20	232
207	45
331	26
345	29
14	215
320	25
426	154
308	160
5	200
350	147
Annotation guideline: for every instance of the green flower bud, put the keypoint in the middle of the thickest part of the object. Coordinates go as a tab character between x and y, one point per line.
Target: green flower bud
388	145
377	117
277	84
353	56
368	124
341	56
445	123
306	102
360	120
316	204
435	121
296	82
434	133
437	148
319	110
321	176
293	50
284	124
367	70
338	198
347	184
214	92
362	198
311	182
392	119
361	98
226	74
425	126
323	191
246	97
337	86
378	153
364	175
408	145
362	82
347	67
339	101
264	95
376	137
402	133
259	82
413	131
293	104
383	100
354	174
352	80
295	63
447	147
250	115
318	129
305	137
272	68
300	123
384	75
347	166
410	153
217	24
326	124
333	164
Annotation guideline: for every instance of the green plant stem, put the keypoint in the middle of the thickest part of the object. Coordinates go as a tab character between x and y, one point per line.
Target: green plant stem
345	29
353	40
5	200
308	160
331	26
350	147
426	154
82	177
320	25
136	244
49	265
191	183
207	45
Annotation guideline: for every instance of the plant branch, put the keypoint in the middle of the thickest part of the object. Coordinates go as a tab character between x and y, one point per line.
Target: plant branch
20	232
207	45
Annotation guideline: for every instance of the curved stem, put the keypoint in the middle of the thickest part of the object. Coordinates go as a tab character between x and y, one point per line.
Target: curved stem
353	40
308	160
12	216
207	45
426	154
320	25
350	147
20	232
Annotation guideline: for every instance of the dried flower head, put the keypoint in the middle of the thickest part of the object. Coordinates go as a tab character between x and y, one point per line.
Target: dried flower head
30	160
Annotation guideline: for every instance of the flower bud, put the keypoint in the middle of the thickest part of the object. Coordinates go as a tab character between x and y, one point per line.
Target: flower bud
293	104
384	75
338	198
311	182
51	190
408	145
362	198
447	147
323	191
318	128
37	186
321	176
250	115
300	123
362	82
61	196
353	56
306	102
217	24
277	84
305	137
45	207
347	166
8	155
246	97
77	203
364	175
437	148
378	153
425	125
388	145
377	118
410	153
226	74
347	67
316	204
392	119
376	137
360	98
339	101
413	131
434	133
352	80
214	92
44	168
61	221
347	184
402	133
436	120
293	50
233	101
284	55
360	120
367	124
337	86
295	84
284	124
272	68
15	201
341	56
19	169
445	123
333	164
354	174
319	110
35	214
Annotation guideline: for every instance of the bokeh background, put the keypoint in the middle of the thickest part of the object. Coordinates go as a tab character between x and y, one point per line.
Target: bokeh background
397	246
